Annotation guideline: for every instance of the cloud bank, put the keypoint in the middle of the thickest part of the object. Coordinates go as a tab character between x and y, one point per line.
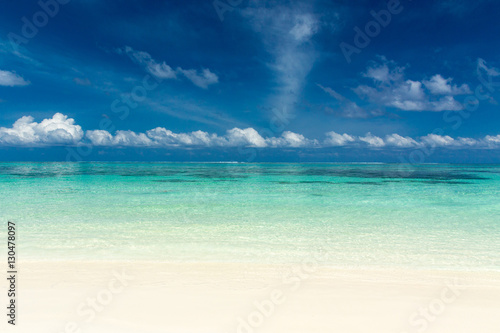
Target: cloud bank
58	130
61	130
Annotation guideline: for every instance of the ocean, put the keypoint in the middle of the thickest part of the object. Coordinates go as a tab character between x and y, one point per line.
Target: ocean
341	215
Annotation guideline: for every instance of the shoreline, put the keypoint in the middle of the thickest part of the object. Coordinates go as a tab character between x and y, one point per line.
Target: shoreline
338	267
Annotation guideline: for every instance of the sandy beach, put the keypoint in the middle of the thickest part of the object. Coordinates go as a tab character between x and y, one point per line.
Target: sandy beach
71	296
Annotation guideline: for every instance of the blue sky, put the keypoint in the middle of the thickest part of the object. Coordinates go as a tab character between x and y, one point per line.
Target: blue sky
250	80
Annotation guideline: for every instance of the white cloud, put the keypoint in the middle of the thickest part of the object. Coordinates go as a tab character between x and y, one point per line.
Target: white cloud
305	27
400	141
495	139
202	80
391	89
164	137
287	33
446	103
373	141
249	137
438	85
129	138
382	73
491	71
121	138
160	70
492	140
164	71
58	130
464	142
335	139
292	140
11	79
100	138
61	130
435	140
332	93
245	137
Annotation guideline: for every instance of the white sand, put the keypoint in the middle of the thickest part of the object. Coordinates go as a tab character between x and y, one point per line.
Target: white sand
56	297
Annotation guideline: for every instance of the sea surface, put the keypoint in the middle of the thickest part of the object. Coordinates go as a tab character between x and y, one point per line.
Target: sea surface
342	215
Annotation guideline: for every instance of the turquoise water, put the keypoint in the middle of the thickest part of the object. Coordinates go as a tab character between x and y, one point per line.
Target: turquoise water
354	215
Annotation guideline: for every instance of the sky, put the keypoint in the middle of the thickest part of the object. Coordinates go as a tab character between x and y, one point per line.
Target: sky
247	80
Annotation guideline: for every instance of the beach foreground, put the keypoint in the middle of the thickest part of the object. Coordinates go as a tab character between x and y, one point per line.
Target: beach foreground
72	296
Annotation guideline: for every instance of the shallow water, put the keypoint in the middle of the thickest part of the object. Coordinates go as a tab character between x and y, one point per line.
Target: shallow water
345	215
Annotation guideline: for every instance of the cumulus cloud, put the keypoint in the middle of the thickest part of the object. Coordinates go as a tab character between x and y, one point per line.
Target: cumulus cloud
164	137
61	130
121	138
400	141
162	71
435	140
58	130
100	138
335	139
161	137
492	140
373	141
291	140
438	85
391	89
245	137
464	142
130	138
11	79
249	137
